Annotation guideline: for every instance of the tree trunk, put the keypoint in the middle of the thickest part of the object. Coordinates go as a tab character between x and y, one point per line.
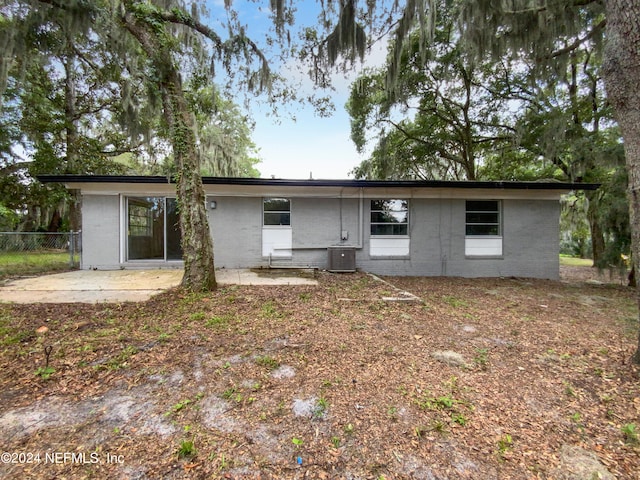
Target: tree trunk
597	236
71	131
621	74
197	244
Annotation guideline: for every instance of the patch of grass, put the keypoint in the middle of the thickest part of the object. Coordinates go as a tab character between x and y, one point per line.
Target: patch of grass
454	410
217	322
454	302
16	264
267	362
428	402
122	359
10	335
304	296
575	261
164	337
269	310
197	316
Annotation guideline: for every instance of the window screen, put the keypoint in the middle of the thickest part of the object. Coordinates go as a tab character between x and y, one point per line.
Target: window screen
276	211
483	218
390	217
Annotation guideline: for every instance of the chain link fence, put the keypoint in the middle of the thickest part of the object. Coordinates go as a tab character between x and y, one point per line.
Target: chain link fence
35	252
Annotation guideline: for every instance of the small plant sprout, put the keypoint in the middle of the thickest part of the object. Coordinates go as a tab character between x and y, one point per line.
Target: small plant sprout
481	358
229	393
45	372
630	434
392	413
348	428
420	431
459	418
321	408
438	426
180	405
505	443
335	441
568	390
298	442
187	449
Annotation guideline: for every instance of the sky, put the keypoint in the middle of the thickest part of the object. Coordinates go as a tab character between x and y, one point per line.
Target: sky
309	146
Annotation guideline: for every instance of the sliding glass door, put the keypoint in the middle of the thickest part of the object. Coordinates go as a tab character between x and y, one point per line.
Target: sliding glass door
153	229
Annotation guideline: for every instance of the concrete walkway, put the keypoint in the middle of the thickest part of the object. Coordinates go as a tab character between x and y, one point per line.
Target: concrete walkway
89	286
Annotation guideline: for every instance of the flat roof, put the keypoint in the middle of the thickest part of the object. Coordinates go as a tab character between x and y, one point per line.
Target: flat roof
159	179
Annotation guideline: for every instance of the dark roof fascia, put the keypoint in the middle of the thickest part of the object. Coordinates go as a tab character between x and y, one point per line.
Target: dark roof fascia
506	185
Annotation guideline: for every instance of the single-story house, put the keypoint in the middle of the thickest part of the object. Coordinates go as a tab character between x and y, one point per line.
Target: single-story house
420	228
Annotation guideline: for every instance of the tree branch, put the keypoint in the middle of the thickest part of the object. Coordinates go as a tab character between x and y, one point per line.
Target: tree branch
579	41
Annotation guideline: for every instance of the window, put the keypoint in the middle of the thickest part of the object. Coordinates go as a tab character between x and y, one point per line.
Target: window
389	217
140	219
483	229
276	211
153	227
483	218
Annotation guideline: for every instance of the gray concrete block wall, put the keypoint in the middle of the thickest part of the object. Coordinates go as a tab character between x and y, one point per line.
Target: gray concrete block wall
317	224
437	227
437	236
530	244
236	226
100	232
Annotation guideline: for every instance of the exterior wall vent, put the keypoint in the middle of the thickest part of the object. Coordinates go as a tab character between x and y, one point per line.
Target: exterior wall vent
342	259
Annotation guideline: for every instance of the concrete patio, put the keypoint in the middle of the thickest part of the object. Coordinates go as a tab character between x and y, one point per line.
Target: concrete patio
96	286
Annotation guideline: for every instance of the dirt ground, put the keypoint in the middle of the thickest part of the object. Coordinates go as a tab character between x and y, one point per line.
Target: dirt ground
350	379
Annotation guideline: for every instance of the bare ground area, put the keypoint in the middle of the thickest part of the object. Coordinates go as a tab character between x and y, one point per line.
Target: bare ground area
480	379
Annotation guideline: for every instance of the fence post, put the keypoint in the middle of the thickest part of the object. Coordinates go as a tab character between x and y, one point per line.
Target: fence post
71	249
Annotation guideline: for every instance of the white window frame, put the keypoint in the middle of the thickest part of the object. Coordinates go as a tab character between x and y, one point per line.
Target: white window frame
392	245
280	212
484	245
277	239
